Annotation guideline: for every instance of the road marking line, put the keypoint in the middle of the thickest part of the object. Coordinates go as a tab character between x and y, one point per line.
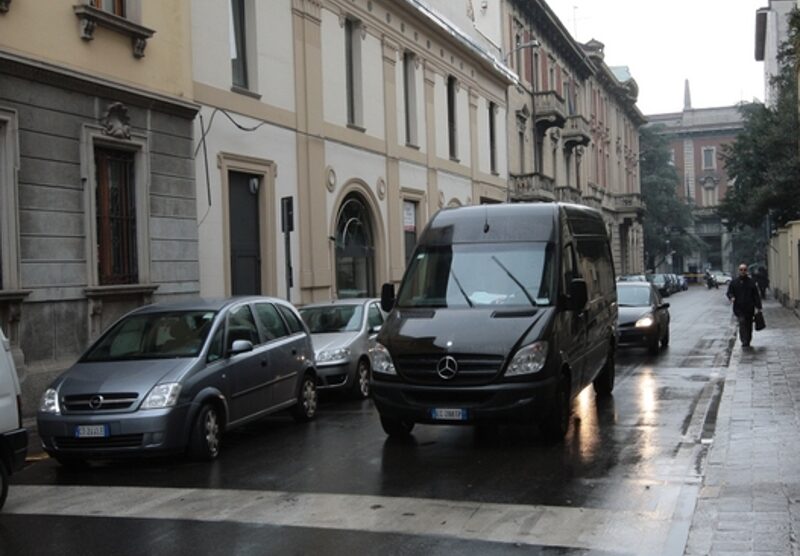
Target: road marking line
640	533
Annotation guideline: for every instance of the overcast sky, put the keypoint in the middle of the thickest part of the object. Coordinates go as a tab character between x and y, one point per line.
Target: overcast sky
664	42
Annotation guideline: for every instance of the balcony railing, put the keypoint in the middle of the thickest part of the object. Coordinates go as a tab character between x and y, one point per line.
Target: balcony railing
629	202
531	187
577	131
568	194
550	110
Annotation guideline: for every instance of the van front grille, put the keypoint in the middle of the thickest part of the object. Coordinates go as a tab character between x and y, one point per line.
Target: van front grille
471	370
100	402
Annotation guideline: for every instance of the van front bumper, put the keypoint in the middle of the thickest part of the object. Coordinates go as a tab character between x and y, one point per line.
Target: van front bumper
508	402
14	448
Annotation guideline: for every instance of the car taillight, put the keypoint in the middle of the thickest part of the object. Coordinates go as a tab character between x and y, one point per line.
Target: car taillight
19	410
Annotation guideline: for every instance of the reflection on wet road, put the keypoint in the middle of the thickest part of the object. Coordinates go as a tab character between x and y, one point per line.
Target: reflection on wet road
624	480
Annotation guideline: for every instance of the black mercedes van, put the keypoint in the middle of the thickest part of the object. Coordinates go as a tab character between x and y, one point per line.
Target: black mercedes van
505	313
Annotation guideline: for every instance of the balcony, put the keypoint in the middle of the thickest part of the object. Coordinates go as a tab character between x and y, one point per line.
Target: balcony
568	194
629	203
549	110
531	187
576	132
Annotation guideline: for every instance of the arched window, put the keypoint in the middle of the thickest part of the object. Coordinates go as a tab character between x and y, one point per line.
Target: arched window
355	249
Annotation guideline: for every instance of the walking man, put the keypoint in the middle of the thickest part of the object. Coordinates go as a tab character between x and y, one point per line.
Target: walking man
743	293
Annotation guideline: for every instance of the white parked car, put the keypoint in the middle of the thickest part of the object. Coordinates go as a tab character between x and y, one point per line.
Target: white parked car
722	278
13	438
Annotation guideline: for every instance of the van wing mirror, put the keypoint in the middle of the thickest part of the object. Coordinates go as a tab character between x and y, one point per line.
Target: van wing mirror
387	297
578	295
240	346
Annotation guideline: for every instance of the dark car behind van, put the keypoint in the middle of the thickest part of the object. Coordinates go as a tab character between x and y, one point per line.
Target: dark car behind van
505	313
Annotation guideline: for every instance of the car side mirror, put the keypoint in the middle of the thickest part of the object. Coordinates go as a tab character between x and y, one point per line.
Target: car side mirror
664	306
578	295
375	329
240	346
387	297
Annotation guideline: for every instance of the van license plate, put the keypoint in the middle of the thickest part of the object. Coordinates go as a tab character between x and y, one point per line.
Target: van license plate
91	431
448	414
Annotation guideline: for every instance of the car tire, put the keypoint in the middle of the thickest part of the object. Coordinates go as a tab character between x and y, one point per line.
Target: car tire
654	344
306	407
665	339
206	434
3	484
556	423
396	427
604	382
361	383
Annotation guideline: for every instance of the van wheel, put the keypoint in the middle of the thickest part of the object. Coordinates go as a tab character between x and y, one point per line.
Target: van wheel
361	383
306	407
604	383
206	434
3	483
556	423
396	427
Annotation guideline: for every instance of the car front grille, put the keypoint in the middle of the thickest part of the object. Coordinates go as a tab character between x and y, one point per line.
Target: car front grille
107	443
100	402
472	369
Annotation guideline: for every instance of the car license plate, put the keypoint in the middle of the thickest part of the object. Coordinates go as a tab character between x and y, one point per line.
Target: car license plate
449	414
91	431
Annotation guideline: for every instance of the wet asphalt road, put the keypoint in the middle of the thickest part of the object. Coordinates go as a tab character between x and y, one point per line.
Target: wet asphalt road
624	481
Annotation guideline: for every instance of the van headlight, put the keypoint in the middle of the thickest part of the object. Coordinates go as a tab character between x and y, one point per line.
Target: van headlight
382	360
340	355
645	322
162	396
528	360
49	402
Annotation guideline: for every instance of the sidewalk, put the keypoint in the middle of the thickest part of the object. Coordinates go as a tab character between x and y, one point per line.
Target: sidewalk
750	499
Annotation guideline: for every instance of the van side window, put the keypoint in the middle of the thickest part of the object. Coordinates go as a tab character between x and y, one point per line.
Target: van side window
570	271
596	266
271	324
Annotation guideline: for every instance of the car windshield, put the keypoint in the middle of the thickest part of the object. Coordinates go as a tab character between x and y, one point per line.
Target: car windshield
633	297
154	336
480	274
333	318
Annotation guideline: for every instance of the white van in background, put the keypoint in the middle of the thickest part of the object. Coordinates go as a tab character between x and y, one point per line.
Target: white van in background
13	438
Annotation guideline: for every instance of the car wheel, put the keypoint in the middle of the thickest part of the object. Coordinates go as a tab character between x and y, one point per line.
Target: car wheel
361	383
396	427
206	434
654	344
306	407
665	339
604	383
3	483
556	423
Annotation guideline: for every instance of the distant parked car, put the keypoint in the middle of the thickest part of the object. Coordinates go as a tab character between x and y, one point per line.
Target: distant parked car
643	318
661	282
632	278
683	281
722	278
343	332
173	378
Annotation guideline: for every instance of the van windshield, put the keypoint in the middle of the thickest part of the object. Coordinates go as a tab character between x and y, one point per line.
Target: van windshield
480	274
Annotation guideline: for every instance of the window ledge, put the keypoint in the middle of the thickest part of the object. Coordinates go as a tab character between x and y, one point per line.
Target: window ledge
455	159
357	127
11	296
91	17
412	146
245	91
98	292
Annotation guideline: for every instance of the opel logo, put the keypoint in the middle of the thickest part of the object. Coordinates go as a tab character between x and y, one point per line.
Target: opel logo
95	402
447	367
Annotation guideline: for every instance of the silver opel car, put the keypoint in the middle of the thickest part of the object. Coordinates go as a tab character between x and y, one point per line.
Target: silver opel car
172	378
342	332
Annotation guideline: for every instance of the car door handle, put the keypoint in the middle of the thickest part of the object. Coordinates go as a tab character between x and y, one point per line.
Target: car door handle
263	362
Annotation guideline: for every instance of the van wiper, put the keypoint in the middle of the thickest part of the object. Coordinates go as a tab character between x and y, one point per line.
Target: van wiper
516	281
453	274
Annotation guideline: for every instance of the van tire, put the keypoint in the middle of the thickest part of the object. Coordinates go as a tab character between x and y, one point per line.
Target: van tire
3	483
556	423
307	398
604	382
204	440
396	427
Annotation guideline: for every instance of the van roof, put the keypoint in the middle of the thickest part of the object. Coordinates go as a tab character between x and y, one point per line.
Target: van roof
508	222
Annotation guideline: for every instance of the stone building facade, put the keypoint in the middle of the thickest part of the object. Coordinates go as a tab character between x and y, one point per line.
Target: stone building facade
97	187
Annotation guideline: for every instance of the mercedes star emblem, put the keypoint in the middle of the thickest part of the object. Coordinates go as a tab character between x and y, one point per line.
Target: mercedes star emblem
447	367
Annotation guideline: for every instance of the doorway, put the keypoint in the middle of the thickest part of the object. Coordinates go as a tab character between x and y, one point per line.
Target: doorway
245	233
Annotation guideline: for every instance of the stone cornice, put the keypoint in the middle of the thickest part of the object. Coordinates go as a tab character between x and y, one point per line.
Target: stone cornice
91	17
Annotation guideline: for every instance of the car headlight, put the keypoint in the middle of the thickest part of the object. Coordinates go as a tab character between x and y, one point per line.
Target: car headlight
528	360
50	402
382	360
162	395
331	355
645	322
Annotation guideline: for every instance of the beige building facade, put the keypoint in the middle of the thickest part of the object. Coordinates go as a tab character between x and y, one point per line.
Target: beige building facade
330	133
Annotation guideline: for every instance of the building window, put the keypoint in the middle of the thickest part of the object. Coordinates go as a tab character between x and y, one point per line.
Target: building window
352	41
410	227
492	138
355	249
238	44
410	96
709	158
116	217
452	114
116	7
521	143
535	71
518	54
